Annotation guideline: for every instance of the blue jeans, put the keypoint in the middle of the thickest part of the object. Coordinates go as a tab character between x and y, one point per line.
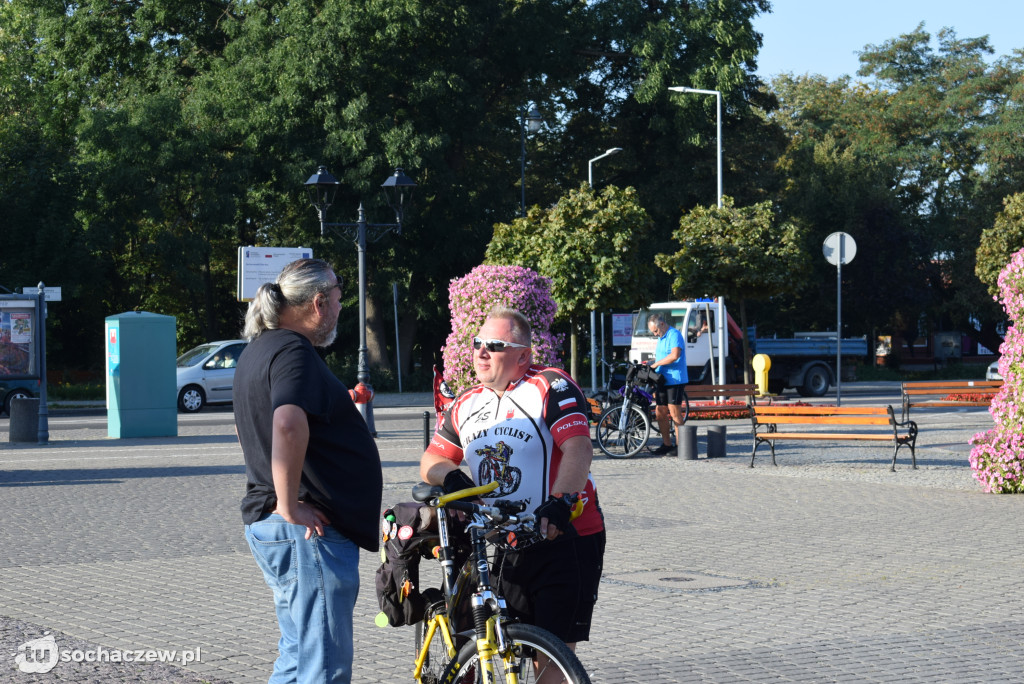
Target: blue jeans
315	582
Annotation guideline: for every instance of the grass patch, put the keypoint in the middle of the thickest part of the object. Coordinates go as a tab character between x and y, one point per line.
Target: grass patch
86	391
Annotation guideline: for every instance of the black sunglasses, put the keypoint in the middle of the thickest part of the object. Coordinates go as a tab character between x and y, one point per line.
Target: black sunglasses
496	345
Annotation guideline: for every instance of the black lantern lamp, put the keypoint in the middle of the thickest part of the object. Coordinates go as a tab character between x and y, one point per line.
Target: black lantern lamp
398	188
322	187
529	122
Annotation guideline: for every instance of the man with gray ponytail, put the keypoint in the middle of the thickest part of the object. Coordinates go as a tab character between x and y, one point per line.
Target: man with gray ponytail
314	481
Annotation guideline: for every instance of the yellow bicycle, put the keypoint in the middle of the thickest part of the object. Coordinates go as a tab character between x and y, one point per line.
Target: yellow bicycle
466	635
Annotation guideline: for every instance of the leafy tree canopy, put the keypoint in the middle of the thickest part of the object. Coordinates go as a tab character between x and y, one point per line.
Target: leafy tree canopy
737	252
590	244
1000	242
592	247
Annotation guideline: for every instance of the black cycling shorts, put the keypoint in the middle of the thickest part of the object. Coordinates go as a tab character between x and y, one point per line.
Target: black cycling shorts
553	584
669	394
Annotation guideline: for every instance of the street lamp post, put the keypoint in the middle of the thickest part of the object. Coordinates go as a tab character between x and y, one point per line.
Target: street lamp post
590	164
593	342
43	426
398	188
532	121
718	119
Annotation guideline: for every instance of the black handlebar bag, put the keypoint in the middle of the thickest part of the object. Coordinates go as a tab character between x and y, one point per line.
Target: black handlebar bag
645	375
409	534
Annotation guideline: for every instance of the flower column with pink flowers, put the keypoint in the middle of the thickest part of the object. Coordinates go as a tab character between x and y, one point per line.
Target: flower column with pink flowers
997	458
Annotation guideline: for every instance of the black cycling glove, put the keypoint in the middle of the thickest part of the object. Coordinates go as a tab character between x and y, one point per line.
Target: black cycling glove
557	509
456	481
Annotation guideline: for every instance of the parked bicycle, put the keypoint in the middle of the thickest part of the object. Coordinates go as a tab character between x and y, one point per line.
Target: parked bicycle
609	393
466	635
624	429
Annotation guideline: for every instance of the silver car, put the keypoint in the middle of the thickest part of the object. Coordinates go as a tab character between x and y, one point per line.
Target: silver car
206	374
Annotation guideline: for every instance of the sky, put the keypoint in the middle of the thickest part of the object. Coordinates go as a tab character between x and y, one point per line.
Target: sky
823	36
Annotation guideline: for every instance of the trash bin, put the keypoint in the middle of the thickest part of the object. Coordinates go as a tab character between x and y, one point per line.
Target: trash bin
24	425
716	441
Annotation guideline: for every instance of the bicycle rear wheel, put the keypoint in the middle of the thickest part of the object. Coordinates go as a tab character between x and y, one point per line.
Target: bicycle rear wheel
525	642
618	443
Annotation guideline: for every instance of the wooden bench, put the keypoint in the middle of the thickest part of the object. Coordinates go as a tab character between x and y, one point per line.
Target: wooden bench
705	393
767	419
709	393
917	393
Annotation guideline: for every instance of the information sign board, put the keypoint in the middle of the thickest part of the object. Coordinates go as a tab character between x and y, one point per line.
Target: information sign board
50	294
258	265
622	329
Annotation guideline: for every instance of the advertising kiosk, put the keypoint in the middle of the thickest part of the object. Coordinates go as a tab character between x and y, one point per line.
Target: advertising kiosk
141	351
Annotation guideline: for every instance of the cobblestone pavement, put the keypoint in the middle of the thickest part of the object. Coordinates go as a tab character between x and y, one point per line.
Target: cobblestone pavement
826	568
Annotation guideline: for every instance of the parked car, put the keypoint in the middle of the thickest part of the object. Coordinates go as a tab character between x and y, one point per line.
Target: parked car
15	389
993	371
206	374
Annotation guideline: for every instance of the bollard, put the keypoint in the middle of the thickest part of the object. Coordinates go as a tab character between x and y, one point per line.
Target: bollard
716	441
426	429
24	425
686	442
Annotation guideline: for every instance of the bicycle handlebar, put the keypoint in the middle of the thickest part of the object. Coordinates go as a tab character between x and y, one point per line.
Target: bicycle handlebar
499	512
472	492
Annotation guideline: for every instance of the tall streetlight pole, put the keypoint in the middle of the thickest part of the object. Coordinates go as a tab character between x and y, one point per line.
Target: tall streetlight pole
532	121
590	164
718	118
593	340
398	188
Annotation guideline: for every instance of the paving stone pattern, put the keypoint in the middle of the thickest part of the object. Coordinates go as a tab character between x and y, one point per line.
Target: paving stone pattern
828	568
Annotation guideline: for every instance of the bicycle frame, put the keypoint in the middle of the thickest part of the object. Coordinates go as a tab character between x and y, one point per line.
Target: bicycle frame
487	607
494	647
627	400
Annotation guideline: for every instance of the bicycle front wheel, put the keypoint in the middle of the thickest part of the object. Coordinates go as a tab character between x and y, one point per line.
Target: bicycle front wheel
436	660
533	653
623	443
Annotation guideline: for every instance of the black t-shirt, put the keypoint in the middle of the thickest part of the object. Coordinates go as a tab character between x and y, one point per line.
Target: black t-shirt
342	473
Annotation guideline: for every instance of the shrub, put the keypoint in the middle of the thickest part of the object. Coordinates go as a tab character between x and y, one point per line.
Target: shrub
345	367
484	288
997	458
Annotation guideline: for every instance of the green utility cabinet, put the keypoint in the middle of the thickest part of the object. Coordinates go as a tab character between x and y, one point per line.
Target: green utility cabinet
141	375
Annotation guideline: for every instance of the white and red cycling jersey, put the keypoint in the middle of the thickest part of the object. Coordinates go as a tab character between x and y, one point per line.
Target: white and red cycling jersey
515	438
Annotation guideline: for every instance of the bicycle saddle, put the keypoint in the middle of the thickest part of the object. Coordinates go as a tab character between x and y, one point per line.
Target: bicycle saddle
424	491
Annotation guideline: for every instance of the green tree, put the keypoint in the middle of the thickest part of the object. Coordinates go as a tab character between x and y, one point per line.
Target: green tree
172	132
1000	242
931	110
831	188
741	253
899	160
642	49
591	247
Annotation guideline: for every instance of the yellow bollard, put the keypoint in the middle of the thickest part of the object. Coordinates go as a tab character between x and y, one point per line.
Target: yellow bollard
761	363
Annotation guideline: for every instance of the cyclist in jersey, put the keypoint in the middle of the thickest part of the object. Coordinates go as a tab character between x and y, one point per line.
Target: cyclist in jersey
526	426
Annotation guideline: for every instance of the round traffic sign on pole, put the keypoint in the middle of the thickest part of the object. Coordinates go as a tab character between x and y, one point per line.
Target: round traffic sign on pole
839	248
